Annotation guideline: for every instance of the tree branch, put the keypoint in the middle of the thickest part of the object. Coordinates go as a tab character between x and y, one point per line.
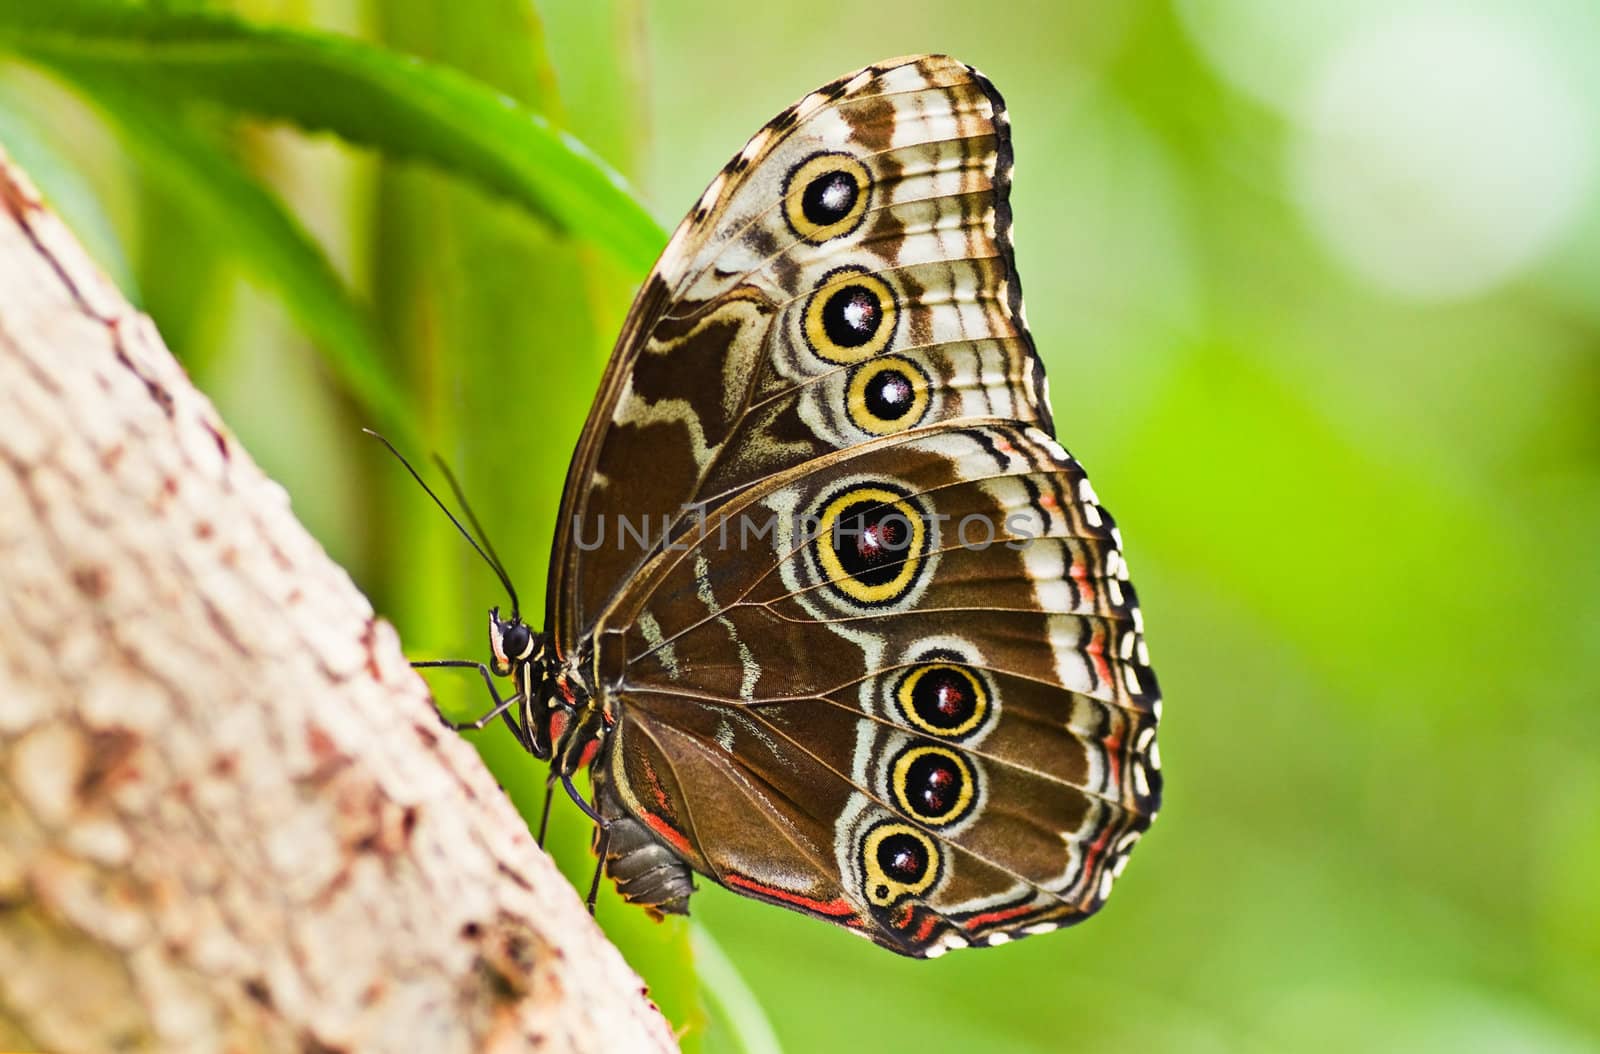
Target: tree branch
229	818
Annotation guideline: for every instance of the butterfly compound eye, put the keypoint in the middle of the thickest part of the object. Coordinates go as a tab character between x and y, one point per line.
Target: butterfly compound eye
517	642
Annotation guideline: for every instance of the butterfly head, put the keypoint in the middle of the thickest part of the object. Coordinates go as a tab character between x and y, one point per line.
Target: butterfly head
512	643
517	652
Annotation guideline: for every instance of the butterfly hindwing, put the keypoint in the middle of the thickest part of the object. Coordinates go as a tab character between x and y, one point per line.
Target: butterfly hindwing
993	711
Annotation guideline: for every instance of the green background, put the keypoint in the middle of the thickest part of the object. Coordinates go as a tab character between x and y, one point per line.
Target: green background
1318	289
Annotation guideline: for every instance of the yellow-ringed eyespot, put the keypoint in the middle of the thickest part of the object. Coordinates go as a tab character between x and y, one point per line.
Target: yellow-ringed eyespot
934	784
887	395
871	543
942	698
898	861
825	196
851	316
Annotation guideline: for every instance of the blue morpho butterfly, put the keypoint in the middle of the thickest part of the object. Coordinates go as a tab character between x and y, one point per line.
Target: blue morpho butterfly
879	660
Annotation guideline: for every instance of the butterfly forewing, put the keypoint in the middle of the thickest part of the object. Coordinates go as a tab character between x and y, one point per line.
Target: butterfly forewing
766	338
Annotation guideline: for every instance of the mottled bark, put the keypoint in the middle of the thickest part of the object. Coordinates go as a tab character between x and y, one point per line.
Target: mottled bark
228	816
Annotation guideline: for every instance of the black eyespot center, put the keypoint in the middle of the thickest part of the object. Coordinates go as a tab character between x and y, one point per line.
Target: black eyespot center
934	783
871	541
829	197
851	315
890	395
944	698
902	857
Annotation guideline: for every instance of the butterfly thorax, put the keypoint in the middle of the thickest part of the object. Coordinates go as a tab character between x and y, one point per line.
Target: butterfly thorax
560	718
577	723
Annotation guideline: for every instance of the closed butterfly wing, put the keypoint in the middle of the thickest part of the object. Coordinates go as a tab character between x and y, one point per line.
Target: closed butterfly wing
843	626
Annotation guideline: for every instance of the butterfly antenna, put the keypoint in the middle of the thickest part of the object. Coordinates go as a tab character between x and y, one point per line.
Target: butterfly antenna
472	518
493	562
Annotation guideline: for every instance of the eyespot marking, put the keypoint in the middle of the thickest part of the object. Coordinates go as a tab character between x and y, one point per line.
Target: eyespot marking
934	784
943	697
898	861
826	196
850	317
871	544
887	395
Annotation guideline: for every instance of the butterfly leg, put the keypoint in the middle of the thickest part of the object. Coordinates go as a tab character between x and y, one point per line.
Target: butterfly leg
544	818
588	810
604	830
599	864
502	707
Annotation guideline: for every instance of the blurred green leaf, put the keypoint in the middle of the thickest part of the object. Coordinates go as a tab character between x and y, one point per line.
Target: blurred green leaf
367	95
744	1024
270	243
597	52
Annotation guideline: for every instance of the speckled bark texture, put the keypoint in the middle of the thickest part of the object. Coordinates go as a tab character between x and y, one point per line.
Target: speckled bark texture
228	817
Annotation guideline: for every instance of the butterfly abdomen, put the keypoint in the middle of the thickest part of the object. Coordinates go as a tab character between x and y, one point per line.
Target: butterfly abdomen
647	872
645	854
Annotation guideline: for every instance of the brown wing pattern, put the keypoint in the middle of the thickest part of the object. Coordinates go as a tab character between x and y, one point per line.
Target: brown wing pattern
954	737
848	275
865	631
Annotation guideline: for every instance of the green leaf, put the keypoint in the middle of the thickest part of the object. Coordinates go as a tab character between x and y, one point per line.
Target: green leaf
268	240
739	1022
368	95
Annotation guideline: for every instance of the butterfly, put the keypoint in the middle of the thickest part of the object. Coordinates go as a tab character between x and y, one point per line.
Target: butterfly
833	620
